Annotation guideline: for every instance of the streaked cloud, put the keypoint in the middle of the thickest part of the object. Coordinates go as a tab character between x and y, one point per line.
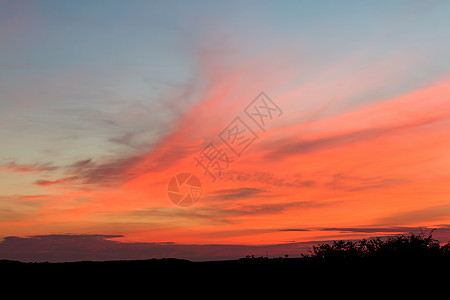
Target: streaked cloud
354	183
25	168
268	178
301	147
419	216
237	194
44	182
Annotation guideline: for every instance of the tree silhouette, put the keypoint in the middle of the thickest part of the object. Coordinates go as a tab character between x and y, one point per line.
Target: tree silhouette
412	248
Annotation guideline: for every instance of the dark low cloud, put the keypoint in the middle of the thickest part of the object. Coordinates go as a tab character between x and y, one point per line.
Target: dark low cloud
371	229
100	247
59	248
441	232
393	229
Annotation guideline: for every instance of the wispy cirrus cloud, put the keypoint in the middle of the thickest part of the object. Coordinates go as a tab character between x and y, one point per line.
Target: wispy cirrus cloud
342	181
275	208
428	214
118	169
237	194
13	209
290	147
43	182
371	229
268	178
27	168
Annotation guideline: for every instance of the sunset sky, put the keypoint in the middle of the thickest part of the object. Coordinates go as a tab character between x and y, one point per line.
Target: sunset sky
103	102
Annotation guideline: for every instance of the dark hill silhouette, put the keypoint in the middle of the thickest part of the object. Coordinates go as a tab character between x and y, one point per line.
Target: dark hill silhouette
408	258
409	249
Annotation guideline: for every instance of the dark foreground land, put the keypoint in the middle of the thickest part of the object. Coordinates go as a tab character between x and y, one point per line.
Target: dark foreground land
175	275
414	256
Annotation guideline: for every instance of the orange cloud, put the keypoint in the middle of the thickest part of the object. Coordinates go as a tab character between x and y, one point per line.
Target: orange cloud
319	166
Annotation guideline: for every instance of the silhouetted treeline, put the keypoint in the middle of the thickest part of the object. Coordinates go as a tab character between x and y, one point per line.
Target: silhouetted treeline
412	248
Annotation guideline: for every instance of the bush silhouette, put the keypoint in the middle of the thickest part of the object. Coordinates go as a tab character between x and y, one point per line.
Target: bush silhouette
398	249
